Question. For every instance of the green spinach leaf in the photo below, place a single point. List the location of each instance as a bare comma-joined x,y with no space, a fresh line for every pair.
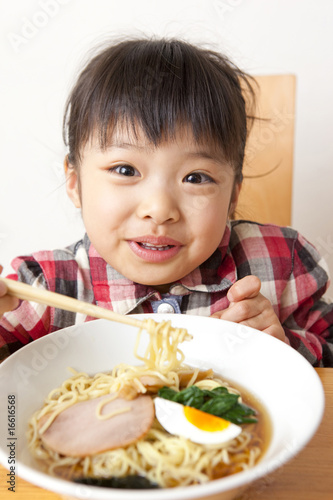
218,401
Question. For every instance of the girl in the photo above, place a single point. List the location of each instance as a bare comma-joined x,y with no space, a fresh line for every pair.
156,131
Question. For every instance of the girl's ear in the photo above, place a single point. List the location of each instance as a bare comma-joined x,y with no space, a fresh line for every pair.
72,183
234,198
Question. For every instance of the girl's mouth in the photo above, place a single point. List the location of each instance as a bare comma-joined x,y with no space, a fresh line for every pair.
156,250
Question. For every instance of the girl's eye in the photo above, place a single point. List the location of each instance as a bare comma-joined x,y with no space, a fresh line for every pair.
197,178
125,170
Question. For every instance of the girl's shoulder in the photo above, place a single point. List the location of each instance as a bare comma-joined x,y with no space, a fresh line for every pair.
244,229
51,267
281,249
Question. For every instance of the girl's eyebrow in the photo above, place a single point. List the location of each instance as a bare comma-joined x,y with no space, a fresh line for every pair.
214,157
125,145
201,154
129,145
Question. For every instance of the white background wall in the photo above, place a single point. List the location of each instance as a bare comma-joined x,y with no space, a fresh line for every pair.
43,43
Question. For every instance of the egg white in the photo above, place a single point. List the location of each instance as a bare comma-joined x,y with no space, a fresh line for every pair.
171,416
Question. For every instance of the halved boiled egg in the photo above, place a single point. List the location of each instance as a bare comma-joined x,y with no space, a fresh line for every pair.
196,425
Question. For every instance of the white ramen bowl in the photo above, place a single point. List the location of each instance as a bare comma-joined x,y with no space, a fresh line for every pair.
277,375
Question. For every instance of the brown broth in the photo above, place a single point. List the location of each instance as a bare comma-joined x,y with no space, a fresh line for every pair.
263,428
261,431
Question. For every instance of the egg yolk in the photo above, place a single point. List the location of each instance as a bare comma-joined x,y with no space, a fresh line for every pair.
205,421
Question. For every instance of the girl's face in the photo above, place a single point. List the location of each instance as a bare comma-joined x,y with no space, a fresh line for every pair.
153,213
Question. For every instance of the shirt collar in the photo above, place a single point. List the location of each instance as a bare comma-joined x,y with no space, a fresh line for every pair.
216,274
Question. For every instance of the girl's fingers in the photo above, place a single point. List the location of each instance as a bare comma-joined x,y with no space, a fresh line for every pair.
277,331
3,289
245,288
256,312
8,303
264,322
273,326
248,309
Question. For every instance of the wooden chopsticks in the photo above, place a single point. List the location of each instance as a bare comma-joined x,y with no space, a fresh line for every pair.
41,296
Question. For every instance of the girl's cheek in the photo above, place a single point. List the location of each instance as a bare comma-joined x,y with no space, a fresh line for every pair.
195,204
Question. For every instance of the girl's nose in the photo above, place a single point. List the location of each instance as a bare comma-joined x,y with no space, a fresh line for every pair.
159,206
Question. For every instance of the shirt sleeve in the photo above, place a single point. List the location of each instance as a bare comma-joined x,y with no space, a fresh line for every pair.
29,320
305,314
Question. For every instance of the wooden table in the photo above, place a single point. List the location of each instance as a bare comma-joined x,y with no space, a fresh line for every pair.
309,476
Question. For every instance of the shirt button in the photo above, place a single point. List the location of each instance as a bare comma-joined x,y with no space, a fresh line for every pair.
165,308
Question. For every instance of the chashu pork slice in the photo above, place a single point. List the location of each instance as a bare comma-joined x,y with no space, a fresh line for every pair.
78,432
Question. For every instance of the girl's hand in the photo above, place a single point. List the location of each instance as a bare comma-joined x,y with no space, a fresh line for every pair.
7,302
249,307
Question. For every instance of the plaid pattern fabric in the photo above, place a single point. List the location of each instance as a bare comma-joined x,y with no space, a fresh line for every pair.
293,275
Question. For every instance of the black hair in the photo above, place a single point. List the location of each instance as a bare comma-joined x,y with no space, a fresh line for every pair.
160,85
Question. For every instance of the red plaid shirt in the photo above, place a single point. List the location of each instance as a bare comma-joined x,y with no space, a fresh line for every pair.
293,275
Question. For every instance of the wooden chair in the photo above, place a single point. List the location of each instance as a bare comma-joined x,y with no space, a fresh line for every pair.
266,194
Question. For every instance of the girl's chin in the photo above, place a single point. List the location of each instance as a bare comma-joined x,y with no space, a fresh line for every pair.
159,281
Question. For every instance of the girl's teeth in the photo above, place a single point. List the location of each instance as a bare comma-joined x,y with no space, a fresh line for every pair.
155,247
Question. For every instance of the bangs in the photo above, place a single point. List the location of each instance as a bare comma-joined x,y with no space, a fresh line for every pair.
159,86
